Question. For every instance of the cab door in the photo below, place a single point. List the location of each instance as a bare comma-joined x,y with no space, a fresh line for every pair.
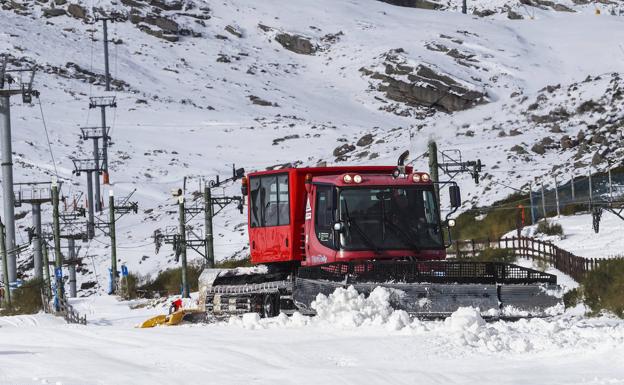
269,218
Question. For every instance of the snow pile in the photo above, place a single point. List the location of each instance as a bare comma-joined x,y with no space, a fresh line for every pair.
348,308
465,329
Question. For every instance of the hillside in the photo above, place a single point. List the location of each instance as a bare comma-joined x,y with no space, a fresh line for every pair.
201,85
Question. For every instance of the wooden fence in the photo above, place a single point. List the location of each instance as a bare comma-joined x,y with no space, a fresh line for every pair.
530,248
64,310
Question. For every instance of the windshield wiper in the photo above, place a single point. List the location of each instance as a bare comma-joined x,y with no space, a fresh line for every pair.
361,233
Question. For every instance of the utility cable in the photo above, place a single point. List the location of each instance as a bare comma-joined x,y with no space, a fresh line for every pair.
45,127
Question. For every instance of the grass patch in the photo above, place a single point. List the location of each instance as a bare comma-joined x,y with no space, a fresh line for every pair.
497,255
602,288
232,263
549,228
169,282
26,299
496,223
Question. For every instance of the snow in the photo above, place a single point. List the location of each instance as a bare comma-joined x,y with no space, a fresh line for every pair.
357,341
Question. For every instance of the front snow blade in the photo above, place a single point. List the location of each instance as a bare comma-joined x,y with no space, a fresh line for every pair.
437,288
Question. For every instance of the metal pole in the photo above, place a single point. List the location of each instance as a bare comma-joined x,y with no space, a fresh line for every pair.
208,227
433,172
532,203
106,70
572,182
71,244
56,228
91,218
46,268
543,199
113,238
464,7
591,194
104,140
610,185
96,179
5,266
557,197
38,257
7,184
185,286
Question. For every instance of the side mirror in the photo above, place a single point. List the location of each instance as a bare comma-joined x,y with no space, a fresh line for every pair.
339,227
455,196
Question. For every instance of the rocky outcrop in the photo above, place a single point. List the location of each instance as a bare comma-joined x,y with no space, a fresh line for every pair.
53,12
424,4
77,11
428,88
296,43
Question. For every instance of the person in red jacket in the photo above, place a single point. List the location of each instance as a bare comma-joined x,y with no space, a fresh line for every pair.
175,305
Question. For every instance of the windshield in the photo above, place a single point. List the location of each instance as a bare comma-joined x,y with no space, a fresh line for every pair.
389,218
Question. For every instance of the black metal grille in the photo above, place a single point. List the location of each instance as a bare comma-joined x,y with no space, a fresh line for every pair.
426,271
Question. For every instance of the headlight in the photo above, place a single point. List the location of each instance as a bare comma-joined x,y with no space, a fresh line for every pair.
357,179
416,178
347,178
425,177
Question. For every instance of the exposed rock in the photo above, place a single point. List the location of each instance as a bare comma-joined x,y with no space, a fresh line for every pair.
518,149
287,137
167,5
133,3
430,89
511,14
60,2
483,12
296,43
514,132
234,31
261,102
365,140
77,11
538,148
597,159
590,106
343,150
424,4
566,142
53,12
555,115
547,141
265,28
562,8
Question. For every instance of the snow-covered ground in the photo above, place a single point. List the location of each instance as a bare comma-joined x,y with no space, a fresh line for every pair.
579,238
352,341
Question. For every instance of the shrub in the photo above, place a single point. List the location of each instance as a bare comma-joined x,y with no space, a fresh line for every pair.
573,297
549,228
573,208
232,263
26,299
603,287
497,255
169,282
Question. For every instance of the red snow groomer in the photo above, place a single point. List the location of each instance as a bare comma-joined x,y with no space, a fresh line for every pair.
312,230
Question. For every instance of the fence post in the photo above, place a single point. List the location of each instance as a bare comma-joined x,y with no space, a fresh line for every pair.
532,203
472,241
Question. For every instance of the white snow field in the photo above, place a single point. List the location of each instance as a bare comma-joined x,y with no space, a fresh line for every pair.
352,341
